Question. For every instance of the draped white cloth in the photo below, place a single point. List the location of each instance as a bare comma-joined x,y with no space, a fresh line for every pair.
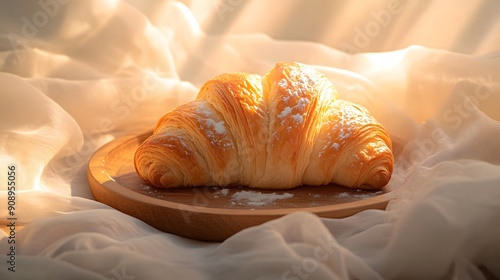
77,74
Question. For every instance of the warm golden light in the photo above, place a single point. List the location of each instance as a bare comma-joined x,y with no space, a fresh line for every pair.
83,84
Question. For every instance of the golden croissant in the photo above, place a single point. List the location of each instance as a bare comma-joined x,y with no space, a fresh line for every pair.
277,131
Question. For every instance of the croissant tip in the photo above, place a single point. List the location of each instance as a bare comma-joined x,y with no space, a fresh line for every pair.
378,181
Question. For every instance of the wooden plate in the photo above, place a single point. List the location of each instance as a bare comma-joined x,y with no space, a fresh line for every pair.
211,213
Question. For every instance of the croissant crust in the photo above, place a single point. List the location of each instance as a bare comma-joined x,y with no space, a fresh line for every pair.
277,131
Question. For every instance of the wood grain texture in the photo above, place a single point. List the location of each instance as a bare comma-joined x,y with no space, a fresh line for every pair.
209,213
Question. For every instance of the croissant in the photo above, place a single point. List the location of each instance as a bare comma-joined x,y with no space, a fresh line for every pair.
282,130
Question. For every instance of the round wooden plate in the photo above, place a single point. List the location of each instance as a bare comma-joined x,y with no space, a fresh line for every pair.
211,213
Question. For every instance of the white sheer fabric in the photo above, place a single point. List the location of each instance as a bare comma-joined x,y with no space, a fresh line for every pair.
75,75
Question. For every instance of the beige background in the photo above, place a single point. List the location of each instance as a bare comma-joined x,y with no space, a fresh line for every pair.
465,26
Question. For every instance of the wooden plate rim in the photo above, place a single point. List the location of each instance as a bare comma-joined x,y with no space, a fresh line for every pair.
103,179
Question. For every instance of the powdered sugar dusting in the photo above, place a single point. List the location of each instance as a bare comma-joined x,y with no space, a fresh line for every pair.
298,118
214,129
348,120
283,83
297,112
358,196
300,82
221,193
178,140
344,133
254,198
217,126
285,112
